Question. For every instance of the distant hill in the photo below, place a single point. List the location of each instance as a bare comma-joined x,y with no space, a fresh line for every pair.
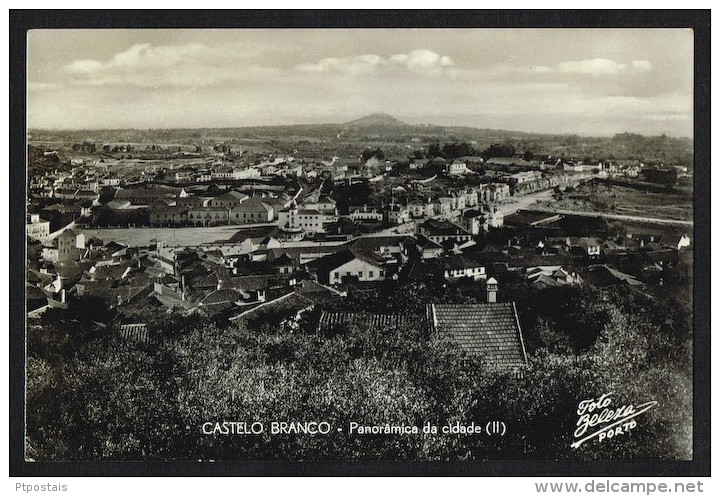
393,135
376,121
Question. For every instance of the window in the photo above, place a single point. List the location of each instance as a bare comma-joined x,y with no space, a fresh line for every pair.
360,274
371,273
382,273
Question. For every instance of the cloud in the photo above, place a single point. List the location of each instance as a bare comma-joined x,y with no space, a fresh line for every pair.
594,67
85,66
419,61
426,59
144,65
348,65
642,65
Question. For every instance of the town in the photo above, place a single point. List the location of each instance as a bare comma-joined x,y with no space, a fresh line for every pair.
211,228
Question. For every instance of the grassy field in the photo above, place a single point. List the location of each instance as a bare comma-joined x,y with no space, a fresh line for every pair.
626,201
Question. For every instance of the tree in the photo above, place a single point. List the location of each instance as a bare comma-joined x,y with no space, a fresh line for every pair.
368,154
497,150
434,150
109,399
456,150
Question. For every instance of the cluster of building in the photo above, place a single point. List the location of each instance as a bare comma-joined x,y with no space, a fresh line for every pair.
287,255
256,275
257,261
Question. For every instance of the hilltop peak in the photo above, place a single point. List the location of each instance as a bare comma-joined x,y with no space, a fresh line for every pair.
378,119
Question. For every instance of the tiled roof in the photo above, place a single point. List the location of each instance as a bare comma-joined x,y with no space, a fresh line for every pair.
331,321
35,277
286,305
308,211
603,275
222,296
208,209
426,243
315,292
114,246
252,204
282,260
442,228
145,192
231,195
530,218
472,213
252,233
490,331
456,262
259,282
546,281
374,243
170,301
68,269
165,209
296,253
35,293
70,233
137,333
335,260
112,272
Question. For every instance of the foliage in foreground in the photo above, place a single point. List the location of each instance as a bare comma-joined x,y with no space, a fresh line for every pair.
104,399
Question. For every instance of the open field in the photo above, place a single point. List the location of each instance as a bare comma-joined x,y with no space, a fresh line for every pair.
623,201
181,236
621,217
514,203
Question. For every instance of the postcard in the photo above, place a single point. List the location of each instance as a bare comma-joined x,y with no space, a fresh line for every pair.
317,245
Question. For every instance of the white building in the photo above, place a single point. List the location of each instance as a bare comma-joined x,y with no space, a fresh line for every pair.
457,168
309,220
332,269
37,228
397,214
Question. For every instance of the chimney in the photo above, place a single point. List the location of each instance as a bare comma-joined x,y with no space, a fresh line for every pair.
491,287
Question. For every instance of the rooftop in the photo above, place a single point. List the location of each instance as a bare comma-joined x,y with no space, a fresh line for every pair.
490,331
334,321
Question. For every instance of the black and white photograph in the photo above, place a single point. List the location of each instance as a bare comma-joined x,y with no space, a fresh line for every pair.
315,244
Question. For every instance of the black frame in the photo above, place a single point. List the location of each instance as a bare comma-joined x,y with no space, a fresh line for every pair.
698,20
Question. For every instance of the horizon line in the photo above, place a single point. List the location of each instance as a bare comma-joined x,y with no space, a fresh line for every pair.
183,128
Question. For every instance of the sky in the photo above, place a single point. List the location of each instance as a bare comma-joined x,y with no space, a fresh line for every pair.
584,81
